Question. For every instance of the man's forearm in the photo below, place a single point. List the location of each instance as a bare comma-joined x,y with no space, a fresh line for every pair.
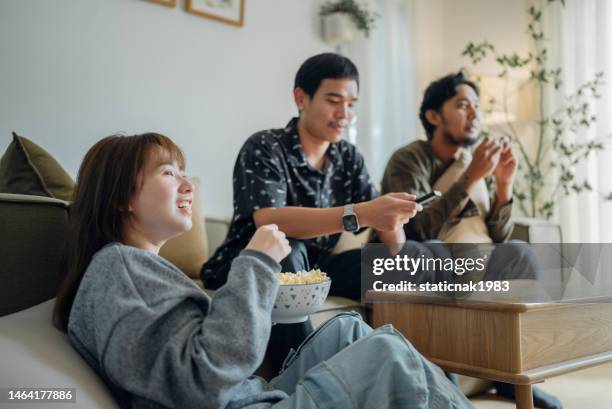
503,195
383,213
302,222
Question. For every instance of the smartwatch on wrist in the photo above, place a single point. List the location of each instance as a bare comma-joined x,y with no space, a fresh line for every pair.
349,219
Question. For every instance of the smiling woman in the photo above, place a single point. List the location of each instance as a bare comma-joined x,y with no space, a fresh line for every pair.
112,198
161,209
158,340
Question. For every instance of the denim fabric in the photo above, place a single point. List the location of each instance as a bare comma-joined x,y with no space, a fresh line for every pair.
346,364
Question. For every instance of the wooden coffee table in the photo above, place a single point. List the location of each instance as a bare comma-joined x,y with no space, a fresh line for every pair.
517,343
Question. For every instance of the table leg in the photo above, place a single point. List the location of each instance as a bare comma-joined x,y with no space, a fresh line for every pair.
524,396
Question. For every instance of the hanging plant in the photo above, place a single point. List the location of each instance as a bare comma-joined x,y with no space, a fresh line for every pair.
363,18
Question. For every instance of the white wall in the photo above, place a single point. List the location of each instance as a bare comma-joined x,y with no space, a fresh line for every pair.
75,71
444,27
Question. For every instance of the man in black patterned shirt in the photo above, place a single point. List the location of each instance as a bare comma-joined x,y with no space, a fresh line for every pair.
314,185
311,183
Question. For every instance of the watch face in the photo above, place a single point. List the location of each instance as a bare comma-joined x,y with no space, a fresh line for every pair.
350,223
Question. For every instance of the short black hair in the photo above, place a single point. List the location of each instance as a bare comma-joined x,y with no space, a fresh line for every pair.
324,66
437,93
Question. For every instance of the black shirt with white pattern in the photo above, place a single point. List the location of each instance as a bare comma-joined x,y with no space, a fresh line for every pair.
272,171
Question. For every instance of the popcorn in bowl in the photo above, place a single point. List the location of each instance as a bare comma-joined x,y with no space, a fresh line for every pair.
299,295
302,277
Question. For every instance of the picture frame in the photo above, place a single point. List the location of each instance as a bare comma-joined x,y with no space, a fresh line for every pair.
167,3
225,11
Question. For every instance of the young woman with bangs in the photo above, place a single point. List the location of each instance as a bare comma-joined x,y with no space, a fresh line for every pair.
159,341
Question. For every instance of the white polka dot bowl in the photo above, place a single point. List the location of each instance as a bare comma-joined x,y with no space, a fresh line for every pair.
295,302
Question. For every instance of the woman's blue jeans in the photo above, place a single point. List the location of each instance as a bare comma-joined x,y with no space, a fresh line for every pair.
346,364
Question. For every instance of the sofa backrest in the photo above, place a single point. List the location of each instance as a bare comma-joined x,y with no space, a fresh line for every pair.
536,230
216,230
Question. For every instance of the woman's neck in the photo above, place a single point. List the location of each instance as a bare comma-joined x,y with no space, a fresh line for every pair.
135,238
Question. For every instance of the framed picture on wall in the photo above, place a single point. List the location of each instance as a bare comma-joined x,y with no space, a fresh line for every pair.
168,3
226,11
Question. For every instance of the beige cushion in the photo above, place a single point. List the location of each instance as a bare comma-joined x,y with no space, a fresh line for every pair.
36,355
189,250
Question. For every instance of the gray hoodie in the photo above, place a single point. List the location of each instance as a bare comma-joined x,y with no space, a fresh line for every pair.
160,342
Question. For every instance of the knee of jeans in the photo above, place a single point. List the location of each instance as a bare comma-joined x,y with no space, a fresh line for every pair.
350,324
390,344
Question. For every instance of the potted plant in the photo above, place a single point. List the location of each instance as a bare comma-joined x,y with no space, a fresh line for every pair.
343,18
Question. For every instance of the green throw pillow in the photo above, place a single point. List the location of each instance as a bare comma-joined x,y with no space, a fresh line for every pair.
28,169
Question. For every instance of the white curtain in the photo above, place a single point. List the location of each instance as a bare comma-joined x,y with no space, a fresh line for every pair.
580,42
387,113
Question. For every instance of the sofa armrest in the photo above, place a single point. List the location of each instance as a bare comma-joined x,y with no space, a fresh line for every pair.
32,230
536,230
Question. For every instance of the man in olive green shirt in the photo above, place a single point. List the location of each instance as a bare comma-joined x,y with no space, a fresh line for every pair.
466,212
450,115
